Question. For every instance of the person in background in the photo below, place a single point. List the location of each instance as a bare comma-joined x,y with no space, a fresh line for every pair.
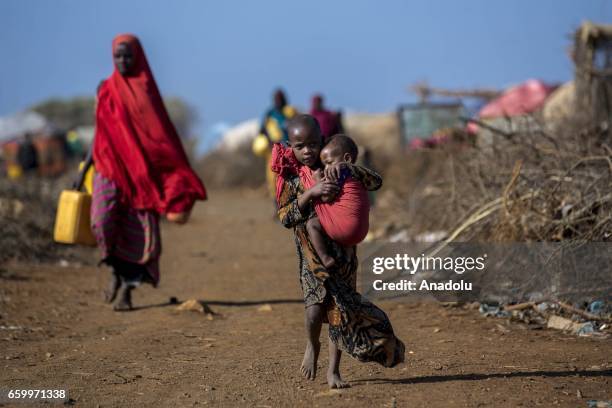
274,129
142,172
26,155
329,122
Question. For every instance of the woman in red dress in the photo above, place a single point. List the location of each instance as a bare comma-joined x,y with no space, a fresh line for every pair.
142,172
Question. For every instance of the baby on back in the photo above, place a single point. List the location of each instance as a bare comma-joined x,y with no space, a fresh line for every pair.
345,218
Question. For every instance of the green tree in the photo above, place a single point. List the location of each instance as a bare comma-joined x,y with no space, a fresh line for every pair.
79,111
182,114
68,113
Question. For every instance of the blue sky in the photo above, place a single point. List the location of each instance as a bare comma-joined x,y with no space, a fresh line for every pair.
226,57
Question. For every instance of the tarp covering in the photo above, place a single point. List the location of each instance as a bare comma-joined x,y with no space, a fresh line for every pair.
518,100
17,125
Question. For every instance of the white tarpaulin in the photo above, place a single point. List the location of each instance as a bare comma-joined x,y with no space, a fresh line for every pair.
17,125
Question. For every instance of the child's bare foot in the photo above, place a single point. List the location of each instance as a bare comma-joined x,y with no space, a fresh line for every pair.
335,381
328,261
113,287
309,364
125,298
333,370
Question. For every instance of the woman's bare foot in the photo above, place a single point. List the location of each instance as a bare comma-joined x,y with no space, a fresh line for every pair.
125,298
113,287
309,364
335,381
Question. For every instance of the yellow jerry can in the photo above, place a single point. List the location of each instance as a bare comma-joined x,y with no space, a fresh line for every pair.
261,145
72,221
14,171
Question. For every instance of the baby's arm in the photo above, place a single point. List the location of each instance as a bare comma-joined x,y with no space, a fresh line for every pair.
370,179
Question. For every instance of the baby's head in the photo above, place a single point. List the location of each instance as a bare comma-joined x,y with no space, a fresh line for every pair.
305,139
339,148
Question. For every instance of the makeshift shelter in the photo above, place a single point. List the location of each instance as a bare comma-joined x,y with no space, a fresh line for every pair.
520,100
31,127
16,126
593,79
420,123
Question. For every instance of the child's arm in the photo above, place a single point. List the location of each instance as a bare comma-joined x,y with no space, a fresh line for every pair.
288,209
294,208
318,176
323,188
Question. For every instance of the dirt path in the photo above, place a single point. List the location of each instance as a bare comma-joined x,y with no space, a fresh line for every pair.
56,333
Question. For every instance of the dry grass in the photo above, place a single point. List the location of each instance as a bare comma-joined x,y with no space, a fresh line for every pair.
528,186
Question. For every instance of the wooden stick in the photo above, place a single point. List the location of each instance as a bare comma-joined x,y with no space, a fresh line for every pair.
478,215
582,313
519,306
515,173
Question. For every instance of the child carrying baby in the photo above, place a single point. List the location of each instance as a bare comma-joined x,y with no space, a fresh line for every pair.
336,196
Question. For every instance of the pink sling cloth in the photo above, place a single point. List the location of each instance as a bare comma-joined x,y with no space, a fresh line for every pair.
346,219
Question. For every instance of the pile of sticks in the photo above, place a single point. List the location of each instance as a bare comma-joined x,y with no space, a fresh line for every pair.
533,186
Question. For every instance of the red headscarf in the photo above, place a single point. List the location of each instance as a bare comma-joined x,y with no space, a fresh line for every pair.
284,163
136,145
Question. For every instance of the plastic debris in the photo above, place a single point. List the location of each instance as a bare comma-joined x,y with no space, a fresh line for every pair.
597,307
599,404
586,329
561,323
543,307
592,322
493,311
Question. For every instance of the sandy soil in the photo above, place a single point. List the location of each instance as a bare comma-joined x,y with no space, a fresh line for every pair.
55,332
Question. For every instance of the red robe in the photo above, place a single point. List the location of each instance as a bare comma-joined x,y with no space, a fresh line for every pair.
136,145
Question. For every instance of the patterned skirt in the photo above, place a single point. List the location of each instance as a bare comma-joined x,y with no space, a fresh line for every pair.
356,325
129,236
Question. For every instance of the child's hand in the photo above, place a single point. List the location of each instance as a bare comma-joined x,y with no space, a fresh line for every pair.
317,175
326,199
332,172
324,188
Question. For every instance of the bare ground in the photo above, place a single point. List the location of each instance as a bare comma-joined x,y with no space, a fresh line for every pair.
56,333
